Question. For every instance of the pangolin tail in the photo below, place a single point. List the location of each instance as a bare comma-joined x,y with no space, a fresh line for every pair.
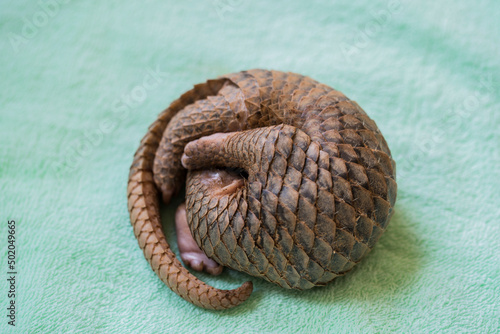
143,206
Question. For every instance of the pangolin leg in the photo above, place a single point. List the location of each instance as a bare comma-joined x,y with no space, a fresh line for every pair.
191,254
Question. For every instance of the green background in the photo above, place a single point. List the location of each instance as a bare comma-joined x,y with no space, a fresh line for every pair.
74,108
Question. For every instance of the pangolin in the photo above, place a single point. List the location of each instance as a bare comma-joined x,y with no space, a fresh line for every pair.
316,182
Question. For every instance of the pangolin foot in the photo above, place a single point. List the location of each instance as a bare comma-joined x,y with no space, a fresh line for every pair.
191,254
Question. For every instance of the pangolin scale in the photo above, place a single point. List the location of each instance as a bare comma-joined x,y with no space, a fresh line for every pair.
319,192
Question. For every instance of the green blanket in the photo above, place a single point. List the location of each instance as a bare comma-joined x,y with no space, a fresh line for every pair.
82,80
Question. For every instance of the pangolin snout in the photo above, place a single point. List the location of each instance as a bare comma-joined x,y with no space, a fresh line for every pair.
199,153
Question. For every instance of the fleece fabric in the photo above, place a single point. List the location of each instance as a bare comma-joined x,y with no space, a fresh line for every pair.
81,81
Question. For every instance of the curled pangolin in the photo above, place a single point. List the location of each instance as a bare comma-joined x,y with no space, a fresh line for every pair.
318,193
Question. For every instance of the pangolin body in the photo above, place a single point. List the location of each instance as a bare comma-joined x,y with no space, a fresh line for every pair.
319,192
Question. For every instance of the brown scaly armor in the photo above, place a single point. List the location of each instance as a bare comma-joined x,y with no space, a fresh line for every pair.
319,193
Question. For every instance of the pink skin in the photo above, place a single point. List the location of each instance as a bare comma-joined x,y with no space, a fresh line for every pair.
191,254
221,183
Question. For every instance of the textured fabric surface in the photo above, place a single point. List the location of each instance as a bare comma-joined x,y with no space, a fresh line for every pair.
82,80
